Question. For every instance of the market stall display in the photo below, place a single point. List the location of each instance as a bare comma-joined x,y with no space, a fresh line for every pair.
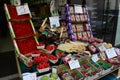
71,48
78,22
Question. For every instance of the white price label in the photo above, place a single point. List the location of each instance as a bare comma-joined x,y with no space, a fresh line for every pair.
54,70
110,53
23,9
95,58
78,9
74,64
30,76
54,21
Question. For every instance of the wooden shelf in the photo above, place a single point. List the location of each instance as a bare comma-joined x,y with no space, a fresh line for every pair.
108,73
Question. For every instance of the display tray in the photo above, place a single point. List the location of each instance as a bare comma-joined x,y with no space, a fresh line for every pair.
22,29
27,45
24,68
13,16
32,69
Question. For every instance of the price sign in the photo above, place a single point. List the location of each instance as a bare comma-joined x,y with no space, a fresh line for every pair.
74,64
110,53
54,70
54,21
30,76
95,58
78,9
23,9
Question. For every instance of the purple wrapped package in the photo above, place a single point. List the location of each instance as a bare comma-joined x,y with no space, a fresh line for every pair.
85,17
82,18
74,28
72,18
75,36
77,18
71,9
79,28
79,35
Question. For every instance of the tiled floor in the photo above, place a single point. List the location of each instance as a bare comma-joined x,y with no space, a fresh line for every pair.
8,68
8,64
10,77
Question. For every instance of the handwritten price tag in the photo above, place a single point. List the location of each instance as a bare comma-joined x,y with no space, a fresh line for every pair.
54,70
30,76
95,58
78,9
110,53
23,9
54,21
74,64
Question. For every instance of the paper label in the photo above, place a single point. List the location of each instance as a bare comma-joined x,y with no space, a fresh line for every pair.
54,21
30,76
74,64
54,70
95,58
23,9
110,53
78,9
